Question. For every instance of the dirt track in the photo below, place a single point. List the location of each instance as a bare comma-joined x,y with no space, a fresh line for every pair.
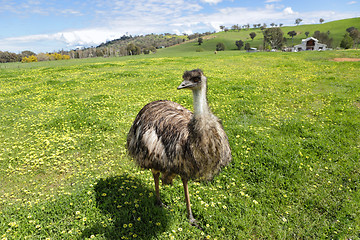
346,59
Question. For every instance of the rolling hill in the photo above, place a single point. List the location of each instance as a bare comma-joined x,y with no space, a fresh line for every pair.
337,29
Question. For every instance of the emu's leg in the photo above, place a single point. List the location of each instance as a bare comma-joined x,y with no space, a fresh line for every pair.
192,220
156,175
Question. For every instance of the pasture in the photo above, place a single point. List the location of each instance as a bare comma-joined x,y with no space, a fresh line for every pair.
293,125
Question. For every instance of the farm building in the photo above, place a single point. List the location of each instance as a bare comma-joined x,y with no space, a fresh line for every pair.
310,44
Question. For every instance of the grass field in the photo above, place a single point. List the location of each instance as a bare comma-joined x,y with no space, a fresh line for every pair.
292,120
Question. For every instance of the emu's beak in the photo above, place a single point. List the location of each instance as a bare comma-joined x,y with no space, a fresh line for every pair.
186,84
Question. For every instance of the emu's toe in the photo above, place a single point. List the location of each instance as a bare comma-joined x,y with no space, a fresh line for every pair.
194,223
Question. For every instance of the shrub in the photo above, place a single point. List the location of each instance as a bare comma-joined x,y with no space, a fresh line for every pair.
323,38
239,44
57,56
31,58
346,42
220,46
42,57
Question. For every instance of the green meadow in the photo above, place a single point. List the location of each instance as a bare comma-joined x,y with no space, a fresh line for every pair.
293,122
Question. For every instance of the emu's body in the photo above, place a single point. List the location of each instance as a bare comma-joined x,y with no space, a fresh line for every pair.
166,137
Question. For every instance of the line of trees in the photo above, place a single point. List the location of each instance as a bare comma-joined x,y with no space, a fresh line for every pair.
45,57
13,57
263,26
123,46
29,56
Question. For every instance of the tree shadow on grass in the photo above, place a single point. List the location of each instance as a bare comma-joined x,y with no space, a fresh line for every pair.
131,208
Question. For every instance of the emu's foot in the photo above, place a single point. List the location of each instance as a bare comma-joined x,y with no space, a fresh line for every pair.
194,223
161,204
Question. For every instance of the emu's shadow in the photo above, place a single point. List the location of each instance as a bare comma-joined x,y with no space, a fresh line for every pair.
131,208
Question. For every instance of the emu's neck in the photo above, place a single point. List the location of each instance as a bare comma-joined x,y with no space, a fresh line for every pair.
200,102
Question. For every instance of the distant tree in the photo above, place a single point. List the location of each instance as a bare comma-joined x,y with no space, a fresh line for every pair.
133,49
99,53
280,25
292,34
274,37
346,42
200,40
235,27
321,20
220,46
307,34
247,46
272,24
149,49
323,38
239,44
252,35
27,53
298,21
138,50
42,57
350,29
222,27
9,57
355,35
77,54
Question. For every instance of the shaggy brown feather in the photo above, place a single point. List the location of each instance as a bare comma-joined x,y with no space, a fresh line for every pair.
166,137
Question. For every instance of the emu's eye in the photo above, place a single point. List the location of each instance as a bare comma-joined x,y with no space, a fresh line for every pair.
196,79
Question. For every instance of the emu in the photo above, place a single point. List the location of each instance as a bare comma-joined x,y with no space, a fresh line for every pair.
168,139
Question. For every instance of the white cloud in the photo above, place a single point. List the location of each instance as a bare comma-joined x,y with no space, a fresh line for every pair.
288,10
272,1
212,1
30,7
69,39
70,11
352,2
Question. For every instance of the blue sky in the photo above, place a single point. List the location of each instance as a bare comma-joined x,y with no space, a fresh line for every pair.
50,25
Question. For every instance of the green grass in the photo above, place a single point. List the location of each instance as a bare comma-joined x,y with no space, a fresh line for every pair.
292,120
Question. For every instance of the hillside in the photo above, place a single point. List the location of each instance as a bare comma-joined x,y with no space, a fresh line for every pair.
129,45
337,30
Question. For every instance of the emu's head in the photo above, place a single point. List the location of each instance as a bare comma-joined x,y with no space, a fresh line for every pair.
194,79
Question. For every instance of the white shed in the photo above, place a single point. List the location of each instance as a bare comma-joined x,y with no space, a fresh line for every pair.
310,44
